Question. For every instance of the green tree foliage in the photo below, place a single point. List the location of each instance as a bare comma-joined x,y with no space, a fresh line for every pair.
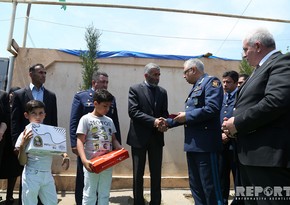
245,68
63,6
89,57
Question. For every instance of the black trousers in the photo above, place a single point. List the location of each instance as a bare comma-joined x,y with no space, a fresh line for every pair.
271,185
155,153
226,165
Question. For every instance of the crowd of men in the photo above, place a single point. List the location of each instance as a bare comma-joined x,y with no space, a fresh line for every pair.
239,125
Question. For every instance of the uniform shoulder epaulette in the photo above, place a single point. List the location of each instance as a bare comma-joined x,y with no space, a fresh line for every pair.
81,91
212,77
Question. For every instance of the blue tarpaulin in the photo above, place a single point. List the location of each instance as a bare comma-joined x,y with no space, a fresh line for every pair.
126,54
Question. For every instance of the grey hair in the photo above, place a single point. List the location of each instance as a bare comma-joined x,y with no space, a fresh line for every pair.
194,62
150,66
262,35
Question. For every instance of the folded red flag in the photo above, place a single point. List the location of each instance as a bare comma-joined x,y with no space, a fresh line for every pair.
172,116
106,161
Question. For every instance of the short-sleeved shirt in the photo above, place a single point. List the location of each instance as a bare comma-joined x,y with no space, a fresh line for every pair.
40,162
98,133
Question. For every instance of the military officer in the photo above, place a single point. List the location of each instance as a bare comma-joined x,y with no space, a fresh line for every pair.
202,129
227,159
83,104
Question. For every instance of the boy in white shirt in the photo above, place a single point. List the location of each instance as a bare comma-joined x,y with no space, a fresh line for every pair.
37,178
95,137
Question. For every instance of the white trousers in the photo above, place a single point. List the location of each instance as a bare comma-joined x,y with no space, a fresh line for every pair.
38,183
94,183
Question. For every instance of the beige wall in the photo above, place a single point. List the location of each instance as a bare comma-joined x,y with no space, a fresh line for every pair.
64,78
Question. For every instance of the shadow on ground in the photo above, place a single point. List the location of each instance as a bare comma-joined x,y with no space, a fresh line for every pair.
122,200
128,200
3,202
15,202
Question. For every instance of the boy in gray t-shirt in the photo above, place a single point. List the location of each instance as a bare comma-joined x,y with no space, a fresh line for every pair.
95,137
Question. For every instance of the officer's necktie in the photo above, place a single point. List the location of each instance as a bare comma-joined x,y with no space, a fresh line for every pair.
228,98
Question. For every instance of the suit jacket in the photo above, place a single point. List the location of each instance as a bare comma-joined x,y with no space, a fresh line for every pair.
4,118
20,98
4,107
262,115
143,113
202,128
82,104
9,165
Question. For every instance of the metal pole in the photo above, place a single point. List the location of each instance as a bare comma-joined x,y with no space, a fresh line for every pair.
12,28
146,8
10,73
26,25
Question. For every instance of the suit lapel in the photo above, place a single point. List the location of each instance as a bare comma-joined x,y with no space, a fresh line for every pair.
157,96
247,83
28,93
45,96
146,93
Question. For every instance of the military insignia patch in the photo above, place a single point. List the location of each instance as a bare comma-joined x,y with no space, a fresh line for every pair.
215,83
195,101
197,88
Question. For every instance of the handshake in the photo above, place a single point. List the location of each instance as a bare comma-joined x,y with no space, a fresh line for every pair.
161,124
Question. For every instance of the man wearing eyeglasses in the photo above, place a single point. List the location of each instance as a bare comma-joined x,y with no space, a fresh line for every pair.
202,129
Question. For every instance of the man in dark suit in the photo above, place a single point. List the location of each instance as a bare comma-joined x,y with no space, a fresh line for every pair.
146,104
202,130
35,91
82,104
261,121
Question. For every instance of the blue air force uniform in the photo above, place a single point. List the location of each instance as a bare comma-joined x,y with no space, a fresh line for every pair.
202,140
83,103
227,157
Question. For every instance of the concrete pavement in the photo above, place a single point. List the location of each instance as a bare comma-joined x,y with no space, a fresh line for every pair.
125,197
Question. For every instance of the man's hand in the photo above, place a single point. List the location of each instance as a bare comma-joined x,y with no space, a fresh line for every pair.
229,127
225,138
161,124
180,117
3,128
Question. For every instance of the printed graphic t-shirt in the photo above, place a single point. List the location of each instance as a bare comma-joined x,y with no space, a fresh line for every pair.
98,134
